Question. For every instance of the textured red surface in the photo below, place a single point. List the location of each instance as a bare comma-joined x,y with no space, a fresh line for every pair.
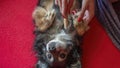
16,39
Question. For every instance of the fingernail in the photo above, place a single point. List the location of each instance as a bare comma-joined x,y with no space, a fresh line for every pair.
64,16
74,11
79,19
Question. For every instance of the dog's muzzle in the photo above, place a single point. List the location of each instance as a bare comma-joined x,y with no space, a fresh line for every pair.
58,49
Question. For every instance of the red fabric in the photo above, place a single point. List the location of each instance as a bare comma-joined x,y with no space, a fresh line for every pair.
16,39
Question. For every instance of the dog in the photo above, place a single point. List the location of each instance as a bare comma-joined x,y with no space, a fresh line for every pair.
57,39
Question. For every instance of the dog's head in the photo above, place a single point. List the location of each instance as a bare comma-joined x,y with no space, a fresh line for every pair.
60,46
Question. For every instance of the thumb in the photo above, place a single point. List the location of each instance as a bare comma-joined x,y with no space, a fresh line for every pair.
83,9
81,15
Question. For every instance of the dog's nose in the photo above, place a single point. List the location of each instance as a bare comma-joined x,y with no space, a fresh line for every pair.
52,45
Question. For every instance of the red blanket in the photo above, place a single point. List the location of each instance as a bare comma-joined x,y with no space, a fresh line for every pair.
16,39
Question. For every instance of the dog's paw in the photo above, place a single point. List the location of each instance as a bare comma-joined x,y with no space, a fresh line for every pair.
43,19
38,13
47,20
81,27
51,15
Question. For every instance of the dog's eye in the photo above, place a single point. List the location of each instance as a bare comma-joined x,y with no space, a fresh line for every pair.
62,55
49,57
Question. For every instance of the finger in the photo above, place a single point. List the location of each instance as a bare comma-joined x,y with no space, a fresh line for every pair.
86,16
69,5
64,8
91,9
73,12
90,13
83,9
56,2
80,17
88,19
59,3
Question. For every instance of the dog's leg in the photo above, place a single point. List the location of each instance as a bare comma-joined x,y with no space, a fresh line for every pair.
48,20
43,18
65,23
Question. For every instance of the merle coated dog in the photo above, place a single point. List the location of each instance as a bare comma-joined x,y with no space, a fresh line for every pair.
54,43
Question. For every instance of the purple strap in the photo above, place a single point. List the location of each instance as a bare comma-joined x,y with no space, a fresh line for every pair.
108,18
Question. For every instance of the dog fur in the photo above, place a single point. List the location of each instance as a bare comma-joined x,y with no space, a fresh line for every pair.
54,43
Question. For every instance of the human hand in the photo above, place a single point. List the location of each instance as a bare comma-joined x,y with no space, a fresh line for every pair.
65,6
87,11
